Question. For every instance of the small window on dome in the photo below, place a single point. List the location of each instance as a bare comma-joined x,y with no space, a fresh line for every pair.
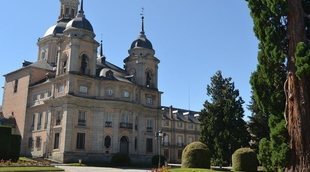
109,74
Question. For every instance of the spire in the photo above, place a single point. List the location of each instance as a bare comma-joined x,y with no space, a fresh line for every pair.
101,49
82,10
142,20
101,53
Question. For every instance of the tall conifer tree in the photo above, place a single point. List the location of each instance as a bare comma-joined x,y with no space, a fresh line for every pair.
283,28
223,128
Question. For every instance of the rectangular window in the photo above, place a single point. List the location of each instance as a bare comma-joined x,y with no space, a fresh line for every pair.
126,94
56,141
30,143
60,88
46,120
38,142
108,121
180,124
15,85
190,126
33,120
149,145
125,118
136,143
83,89
180,141
39,124
166,123
190,139
149,100
58,118
149,125
80,141
109,92
82,118
166,140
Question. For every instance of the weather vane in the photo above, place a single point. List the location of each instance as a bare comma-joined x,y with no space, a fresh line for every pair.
142,12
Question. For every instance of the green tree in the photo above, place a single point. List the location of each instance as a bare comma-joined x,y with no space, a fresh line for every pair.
223,128
258,124
282,26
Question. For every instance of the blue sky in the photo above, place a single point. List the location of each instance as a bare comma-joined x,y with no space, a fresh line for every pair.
192,38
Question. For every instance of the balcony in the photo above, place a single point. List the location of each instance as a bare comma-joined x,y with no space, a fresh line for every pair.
81,122
108,124
125,125
165,143
149,129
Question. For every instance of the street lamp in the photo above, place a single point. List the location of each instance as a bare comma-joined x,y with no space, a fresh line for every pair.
159,136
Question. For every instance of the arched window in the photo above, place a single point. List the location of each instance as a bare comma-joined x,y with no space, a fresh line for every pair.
84,63
148,79
107,141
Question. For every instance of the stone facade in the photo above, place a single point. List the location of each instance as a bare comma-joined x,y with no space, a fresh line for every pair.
73,104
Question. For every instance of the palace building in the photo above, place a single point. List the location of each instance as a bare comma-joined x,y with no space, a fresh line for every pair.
72,103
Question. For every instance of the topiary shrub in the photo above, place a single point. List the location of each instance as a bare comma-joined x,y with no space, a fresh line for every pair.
155,159
15,147
244,159
120,159
196,155
5,142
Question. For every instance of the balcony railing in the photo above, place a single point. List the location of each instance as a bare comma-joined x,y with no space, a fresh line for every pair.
165,143
149,129
108,124
125,125
81,122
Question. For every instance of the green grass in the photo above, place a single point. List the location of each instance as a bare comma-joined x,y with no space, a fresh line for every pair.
32,169
189,170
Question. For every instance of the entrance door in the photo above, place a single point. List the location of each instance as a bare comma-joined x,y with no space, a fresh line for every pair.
124,145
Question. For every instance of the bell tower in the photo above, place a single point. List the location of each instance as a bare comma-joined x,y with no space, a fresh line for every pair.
79,53
68,9
141,62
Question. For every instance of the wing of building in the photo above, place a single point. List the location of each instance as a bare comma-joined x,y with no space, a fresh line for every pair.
73,104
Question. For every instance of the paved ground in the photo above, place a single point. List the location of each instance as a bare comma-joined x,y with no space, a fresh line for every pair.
99,169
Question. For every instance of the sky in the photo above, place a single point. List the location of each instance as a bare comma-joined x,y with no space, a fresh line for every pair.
192,38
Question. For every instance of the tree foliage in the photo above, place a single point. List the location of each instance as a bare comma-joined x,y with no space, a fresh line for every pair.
223,128
278,24
257,125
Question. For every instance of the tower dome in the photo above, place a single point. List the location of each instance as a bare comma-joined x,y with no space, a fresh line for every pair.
80,21
142,41
58,28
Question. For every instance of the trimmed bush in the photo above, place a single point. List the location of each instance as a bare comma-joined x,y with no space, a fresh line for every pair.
196,155
15,147
155,159
5,142
120,159
244,159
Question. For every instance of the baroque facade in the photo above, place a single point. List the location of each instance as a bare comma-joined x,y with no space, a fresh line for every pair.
73,104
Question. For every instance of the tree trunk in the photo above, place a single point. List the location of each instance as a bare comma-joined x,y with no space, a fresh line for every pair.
298,103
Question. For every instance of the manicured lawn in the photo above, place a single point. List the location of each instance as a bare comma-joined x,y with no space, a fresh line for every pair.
190,170
20,169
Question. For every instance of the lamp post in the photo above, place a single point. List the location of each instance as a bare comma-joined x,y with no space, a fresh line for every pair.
159,135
